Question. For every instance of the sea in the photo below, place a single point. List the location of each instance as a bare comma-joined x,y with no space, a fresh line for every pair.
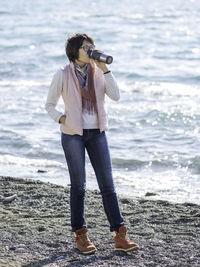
154,130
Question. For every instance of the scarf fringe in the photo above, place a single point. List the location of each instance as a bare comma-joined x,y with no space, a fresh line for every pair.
88,94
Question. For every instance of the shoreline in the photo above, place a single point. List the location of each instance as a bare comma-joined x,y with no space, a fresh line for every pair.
35,229
122,191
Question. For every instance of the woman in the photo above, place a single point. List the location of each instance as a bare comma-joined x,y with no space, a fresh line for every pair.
83,85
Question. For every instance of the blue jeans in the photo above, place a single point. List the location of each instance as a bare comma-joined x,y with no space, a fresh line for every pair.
96,145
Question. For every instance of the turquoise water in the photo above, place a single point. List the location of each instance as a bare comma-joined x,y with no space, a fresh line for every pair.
155,128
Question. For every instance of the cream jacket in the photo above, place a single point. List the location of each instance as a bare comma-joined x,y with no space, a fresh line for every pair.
65,83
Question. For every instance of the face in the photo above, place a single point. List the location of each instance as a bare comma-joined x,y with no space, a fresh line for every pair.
83,56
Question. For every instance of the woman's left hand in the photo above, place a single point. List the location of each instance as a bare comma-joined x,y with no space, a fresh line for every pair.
101,65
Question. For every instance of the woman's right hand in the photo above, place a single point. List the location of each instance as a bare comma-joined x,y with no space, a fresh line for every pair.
62,119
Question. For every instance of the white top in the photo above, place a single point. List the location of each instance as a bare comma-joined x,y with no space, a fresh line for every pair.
90,121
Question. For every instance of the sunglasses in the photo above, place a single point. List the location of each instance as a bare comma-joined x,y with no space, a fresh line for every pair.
86,47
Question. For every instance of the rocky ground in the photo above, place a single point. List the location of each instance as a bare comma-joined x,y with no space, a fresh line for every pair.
35,229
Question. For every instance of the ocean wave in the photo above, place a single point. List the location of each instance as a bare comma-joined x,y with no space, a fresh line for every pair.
162,88
21,161
192,164
23,83
123,163
135,164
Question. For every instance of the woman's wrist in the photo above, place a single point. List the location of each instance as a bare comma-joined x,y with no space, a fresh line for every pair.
104,69
107,72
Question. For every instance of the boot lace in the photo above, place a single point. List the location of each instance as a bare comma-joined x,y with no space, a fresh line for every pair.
85,239
124,236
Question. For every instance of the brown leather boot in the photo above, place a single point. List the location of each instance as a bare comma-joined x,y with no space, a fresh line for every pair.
83,242
122,242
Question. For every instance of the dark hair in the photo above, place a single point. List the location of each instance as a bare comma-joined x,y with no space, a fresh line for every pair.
74,42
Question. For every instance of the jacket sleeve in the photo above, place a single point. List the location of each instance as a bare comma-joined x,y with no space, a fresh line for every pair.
53,97
112,89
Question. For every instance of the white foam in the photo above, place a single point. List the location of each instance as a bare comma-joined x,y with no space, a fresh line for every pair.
166,89
23,83
21,161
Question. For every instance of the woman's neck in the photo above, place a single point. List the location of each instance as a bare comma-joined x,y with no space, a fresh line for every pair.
80,63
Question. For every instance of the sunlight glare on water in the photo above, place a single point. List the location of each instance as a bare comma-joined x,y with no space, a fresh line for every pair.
154,129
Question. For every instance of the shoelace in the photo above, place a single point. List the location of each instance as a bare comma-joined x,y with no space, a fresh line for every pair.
123,236
85,239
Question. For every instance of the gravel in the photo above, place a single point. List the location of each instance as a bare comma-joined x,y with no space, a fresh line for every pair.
35,229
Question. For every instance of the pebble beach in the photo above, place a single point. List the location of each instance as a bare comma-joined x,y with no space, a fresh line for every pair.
35,229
